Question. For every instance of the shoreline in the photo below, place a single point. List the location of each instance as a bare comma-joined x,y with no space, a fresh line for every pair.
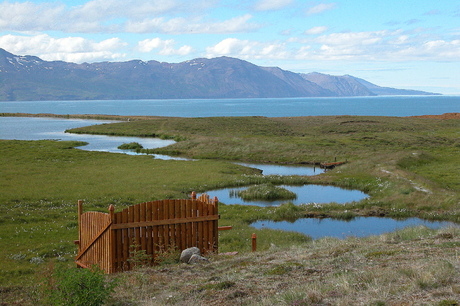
445,116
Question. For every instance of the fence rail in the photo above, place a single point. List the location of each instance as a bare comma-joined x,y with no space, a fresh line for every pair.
107,240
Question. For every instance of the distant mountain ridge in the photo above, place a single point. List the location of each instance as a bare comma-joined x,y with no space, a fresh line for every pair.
30,78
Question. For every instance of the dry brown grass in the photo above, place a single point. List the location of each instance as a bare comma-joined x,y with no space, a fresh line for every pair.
410,267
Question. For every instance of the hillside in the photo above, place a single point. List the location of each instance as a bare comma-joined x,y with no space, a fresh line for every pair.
25,78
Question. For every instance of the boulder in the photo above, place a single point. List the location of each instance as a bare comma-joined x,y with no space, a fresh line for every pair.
197,259
188,253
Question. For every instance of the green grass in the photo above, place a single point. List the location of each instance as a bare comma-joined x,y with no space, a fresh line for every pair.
266,192
131,146
408,166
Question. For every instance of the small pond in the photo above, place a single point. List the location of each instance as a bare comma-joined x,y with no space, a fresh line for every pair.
358,227
277,169
305,194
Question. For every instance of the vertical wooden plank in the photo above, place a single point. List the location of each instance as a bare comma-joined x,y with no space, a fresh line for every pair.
161,228
155,229
205,230
194,224
149,237
200,227
183,214
176,227
131,234
216,225
137,232
142,216
210,228
80,213
172,227
112,242
166,235
125,219
97,244
188,225
119,244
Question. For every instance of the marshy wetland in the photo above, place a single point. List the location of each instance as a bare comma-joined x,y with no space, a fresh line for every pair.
409,167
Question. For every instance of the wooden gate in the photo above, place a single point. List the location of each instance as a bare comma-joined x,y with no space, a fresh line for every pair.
94,239
107,240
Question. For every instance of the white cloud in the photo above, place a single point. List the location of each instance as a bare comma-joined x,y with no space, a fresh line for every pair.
181,25
248,49
316,30
110,16
29,16
70,49
352,38
320,8
269,5
166,47
390,46
378,46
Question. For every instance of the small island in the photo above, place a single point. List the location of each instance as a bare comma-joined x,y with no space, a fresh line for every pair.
265,192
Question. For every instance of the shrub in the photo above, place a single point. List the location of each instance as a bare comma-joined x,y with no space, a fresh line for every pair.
130,146
266,192
78,287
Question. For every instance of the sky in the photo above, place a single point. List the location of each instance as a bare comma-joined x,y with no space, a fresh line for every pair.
395,43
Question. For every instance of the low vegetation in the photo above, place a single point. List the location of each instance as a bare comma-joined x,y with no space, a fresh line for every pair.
415,266
131,146
265,192
408,167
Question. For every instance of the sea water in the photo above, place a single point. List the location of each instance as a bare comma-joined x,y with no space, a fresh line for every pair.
398,106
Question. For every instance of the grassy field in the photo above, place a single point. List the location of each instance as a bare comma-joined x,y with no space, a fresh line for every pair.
408,166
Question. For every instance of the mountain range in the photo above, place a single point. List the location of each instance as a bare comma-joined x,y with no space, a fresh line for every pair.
29,78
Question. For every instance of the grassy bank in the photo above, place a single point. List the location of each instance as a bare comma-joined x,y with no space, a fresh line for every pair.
408,166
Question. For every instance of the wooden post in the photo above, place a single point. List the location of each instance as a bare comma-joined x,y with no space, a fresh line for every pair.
254,243
193,195
112,240
80,212
216,226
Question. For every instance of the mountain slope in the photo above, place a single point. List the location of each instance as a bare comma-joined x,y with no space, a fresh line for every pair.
342,86
388,91
30,78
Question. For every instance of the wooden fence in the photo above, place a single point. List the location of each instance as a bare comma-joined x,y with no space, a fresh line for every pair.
108,240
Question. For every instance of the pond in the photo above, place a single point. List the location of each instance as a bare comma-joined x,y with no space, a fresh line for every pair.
36,128
357,227
305,194
277,169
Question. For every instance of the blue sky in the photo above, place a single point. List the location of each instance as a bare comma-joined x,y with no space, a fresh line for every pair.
403,44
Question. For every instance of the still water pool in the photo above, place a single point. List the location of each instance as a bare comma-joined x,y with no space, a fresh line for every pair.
305,194
358,227
36,128
28,128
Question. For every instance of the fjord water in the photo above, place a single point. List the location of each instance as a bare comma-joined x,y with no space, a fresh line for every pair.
398,106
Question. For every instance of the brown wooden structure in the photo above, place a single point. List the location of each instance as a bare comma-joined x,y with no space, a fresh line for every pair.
107,240
331,165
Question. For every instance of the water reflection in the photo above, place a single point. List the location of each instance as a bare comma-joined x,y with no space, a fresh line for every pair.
305,194
358,227
36,128
270,169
